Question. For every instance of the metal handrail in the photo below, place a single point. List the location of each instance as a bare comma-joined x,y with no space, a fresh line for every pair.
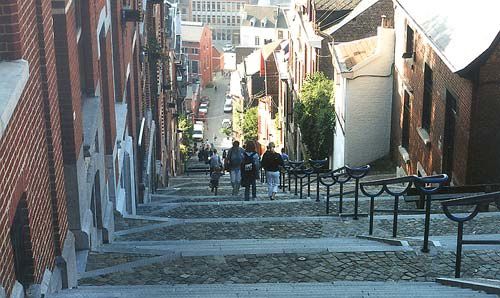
476,200
357,173
425,185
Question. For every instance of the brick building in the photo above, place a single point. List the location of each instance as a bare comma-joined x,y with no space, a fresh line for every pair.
447,88
217,58
197,45
36,245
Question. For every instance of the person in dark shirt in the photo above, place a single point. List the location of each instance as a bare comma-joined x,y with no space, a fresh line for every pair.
271,162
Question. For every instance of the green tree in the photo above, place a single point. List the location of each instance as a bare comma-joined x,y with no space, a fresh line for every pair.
250,124
186,126
315,115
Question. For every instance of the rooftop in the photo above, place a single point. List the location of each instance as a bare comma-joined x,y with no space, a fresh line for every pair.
458,31
363,5
336,4
349,54
192,31
263,16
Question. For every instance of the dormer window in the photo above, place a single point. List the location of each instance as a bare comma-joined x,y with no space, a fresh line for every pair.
252,22
263,22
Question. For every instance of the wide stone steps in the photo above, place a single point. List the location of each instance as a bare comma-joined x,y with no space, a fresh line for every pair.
255,246
334,289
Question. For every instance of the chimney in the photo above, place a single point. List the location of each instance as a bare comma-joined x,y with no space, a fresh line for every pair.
384,23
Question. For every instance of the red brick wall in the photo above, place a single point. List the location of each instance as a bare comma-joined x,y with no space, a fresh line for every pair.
443,79
217,59
484,151
205,56
26,169
10,34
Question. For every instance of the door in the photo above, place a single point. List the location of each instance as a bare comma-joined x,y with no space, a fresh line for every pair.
449,134
21,245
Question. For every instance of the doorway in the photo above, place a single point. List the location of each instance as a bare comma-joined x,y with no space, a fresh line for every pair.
21,245
449,134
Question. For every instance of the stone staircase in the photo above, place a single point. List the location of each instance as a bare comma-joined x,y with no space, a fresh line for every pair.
334,289
189,243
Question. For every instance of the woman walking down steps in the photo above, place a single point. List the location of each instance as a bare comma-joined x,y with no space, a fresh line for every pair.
271,162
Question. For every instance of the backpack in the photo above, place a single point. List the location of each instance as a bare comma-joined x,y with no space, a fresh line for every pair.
234,156
215,161
248,167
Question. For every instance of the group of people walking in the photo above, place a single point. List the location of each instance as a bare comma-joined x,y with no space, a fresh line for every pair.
244,168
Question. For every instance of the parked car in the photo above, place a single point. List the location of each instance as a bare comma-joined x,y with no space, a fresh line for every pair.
226,123
228,106
203,109
228,47
198,131
205,99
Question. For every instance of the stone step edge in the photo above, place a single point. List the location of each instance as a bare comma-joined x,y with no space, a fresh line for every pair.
477,285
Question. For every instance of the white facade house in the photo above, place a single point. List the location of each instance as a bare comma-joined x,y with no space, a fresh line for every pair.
261,25
363,94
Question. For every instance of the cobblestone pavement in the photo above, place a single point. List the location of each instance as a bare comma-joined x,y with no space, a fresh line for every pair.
375,266
122,223
408,227
306,207
103,260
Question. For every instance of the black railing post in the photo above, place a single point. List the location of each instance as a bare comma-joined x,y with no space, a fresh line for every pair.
289,181
427,224
421,185
309,185
317,185
357,174
300,188
395,217
327,199
295,184
372,211
356,203
458,257
341,197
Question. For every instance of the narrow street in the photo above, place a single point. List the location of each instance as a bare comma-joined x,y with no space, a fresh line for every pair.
189,243
216,111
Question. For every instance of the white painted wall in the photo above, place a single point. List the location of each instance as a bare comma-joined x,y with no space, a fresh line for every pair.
229,61
249,33
365,95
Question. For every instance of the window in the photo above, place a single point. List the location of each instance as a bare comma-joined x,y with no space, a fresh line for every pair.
405,130
427,100
213,6
233,21
238,21
218,6
213,19
196,51
197,5
257,41
409,40
194,66
280,34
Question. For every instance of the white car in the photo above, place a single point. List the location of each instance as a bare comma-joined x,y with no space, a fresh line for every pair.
198,132
228,47
203,108
228,106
